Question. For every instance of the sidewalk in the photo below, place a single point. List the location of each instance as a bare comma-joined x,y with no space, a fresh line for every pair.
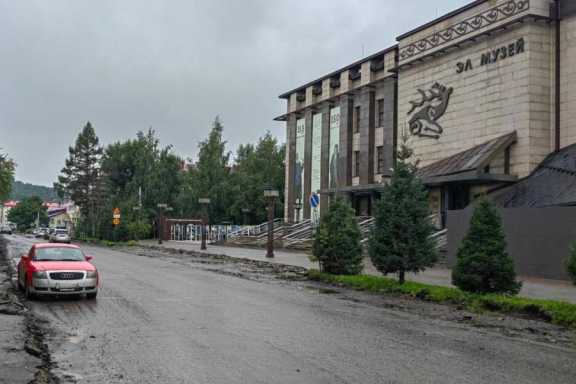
532,287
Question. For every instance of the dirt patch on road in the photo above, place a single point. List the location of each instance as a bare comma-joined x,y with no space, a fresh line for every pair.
262,271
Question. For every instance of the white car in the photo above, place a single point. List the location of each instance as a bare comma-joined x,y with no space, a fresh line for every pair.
60,236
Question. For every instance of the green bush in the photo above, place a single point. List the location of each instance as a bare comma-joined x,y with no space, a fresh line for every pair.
483,265
571,263
337,241
556,312
138,230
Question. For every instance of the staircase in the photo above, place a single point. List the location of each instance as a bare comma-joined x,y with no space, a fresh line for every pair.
300,236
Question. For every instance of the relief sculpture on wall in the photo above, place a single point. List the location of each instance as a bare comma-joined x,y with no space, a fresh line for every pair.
426,112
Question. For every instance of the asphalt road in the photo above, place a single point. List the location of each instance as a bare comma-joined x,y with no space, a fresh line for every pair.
156,321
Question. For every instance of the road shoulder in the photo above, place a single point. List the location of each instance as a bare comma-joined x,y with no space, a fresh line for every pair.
24,357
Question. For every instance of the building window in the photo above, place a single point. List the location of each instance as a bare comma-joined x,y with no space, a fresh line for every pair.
356,163
356,119
380,111
380,158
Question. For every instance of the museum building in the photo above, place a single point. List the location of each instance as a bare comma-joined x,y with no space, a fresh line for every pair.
482,95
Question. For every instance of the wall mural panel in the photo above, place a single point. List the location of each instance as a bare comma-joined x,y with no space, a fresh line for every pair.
299,166
316,153
334,147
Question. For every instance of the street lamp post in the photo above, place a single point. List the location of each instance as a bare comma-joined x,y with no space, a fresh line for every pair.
204,202
298,207
270,195
161,207
137,209
245,212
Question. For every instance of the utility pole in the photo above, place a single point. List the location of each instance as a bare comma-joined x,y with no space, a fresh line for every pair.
204,202
161,208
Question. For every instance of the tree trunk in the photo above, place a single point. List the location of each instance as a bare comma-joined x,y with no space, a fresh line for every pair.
401,278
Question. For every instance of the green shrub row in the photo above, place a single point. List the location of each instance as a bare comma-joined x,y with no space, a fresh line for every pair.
556,312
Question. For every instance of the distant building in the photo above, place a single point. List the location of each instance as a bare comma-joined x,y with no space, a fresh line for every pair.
4,209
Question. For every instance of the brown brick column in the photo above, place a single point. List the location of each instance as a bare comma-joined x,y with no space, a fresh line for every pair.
367,101
345,163
289,194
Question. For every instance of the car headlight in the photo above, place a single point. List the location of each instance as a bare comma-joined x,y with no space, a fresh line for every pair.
39,275
91,274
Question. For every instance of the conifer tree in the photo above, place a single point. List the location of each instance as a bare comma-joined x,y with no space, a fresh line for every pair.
400,240
80,178
337,241
483,265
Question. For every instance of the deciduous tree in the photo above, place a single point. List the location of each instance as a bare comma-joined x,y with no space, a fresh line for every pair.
6,177
28,211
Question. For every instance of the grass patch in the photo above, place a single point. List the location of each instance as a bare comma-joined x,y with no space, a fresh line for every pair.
556,312
108,243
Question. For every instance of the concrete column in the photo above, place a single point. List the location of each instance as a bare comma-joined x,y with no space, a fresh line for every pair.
307,164
345,166
289,194
367,97
390,123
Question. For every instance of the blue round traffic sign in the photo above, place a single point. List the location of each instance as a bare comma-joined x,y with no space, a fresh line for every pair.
314,200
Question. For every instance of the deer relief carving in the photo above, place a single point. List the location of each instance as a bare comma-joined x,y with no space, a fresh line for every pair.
426,112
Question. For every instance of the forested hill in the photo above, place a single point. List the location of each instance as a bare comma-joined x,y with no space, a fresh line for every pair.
21,190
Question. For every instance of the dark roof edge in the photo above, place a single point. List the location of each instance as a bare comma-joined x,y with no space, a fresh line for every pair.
442,18
543,164
382,52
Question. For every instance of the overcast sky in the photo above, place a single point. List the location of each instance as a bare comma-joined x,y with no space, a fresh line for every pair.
126,65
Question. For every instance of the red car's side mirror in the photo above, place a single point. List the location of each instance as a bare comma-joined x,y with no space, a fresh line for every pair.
89,258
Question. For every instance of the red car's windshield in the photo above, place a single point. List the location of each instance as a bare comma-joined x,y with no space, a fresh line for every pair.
59,254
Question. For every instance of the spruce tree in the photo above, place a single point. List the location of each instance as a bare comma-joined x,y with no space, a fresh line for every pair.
337,241
80,179
400,241
483,265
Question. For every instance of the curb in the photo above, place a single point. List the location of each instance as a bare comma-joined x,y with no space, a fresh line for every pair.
222,256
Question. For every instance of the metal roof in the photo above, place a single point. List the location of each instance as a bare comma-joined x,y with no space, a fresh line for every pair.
552,183
473,159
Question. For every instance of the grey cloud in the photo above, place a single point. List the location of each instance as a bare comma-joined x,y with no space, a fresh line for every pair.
126,65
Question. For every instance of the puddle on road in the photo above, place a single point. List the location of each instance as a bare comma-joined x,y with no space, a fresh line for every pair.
322,291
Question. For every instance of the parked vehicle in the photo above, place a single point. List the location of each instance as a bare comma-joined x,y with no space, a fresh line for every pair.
57,269
5,229
49,233
40,232
60,236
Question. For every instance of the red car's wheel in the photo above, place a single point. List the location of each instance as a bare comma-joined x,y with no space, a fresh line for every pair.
20,287
92,295
27,292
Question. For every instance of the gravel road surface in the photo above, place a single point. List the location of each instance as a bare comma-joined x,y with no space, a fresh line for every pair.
160,320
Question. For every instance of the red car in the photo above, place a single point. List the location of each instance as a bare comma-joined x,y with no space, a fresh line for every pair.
57,269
